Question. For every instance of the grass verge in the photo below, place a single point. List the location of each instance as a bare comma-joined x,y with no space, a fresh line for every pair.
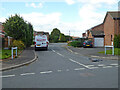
4,54
116,51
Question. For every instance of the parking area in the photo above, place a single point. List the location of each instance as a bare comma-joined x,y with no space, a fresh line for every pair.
88,51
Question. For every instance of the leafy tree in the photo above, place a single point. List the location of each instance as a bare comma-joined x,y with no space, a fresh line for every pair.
16,27
62,38
55,34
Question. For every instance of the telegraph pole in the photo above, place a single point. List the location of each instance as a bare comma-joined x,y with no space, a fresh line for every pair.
69,35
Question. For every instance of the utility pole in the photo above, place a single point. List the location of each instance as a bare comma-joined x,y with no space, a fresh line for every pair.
69,35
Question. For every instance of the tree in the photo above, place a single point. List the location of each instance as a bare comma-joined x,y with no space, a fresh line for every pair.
55,34
16,27
62,38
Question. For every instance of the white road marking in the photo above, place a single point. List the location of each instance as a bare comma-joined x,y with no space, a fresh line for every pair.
69,49
90,65
107,67
79,63
27,74
79,69
60,54
53,50
101,65
46,72
59,70
93,67
114,64
76,53
8,76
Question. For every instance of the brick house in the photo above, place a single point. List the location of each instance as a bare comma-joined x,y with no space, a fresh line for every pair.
103,34
7,40
96,34
2,32
111,26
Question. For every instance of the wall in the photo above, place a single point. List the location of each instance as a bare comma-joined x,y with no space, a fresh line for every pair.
99,27
109,29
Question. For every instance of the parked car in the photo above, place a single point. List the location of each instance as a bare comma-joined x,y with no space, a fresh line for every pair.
87,43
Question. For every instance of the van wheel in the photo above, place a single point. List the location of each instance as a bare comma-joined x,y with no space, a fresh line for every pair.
35,49
46,48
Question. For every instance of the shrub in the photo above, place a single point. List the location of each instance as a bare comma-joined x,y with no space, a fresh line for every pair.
76,44
117,41
17,43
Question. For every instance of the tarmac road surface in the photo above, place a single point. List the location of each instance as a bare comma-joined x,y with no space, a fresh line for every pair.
59,68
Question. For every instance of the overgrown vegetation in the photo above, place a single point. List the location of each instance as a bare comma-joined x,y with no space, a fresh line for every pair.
75,44
17,43
117,41
19,29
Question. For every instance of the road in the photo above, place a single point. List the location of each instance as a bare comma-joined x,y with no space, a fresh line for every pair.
59,68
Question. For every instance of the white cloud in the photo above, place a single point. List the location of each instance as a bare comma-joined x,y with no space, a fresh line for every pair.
40,18
34,5
2,19
46,22
70,2
110,2
89,15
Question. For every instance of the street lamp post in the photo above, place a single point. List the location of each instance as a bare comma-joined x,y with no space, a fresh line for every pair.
69,35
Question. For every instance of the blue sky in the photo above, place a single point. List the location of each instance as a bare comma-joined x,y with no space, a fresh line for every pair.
75,16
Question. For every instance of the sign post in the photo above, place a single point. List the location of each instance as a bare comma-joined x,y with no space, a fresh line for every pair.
111,47
12,51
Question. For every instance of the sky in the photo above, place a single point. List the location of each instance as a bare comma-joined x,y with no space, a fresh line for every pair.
75,16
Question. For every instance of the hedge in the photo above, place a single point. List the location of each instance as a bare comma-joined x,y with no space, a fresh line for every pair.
76,44
117,41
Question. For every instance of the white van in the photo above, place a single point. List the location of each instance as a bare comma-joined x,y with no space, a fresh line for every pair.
41,42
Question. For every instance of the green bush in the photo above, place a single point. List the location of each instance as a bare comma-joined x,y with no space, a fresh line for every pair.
17,43
117,41
76,44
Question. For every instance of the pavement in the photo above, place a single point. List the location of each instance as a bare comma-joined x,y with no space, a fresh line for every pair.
26,57
92,52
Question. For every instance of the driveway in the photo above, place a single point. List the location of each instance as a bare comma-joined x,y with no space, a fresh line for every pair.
92,52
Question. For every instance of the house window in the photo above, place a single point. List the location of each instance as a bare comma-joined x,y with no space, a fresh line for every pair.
111,37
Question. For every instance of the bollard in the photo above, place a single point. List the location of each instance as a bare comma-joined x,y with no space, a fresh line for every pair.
12,51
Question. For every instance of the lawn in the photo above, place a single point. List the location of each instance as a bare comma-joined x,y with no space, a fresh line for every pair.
7,53
116,51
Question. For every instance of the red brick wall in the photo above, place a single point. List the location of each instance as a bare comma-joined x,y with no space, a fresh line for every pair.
99,27
109,29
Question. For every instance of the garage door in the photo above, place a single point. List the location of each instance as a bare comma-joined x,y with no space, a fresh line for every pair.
98,42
